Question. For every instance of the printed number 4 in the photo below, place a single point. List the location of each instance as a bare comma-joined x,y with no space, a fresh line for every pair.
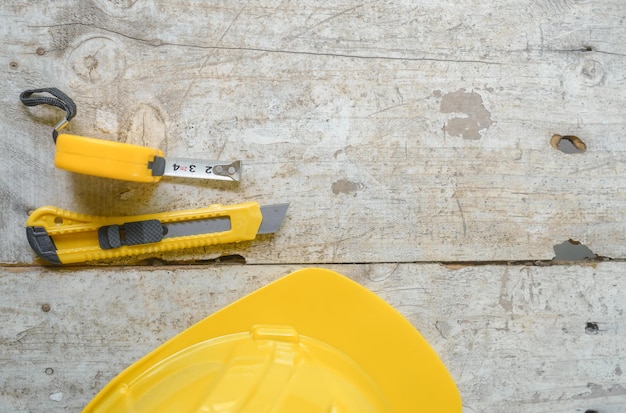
192,168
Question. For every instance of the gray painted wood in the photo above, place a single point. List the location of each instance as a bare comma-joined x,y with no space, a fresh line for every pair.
514,338
398,132
402,133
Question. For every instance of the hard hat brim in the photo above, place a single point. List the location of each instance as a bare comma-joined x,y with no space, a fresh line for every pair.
331,308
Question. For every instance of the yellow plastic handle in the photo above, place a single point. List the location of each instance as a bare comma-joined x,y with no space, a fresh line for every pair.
70,237
99,157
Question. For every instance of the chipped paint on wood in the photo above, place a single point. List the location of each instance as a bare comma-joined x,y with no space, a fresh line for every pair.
399,132
472,117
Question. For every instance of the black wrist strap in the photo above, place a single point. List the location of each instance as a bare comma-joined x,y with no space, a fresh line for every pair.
59,99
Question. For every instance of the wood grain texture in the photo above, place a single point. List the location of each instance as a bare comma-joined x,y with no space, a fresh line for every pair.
403,133
398,132
514,338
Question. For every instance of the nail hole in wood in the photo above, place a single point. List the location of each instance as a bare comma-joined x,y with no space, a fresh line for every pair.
587,49
592,328
568,144
49,371
45,308
591,411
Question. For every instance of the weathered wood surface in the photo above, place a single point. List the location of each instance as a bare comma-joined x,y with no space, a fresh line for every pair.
400,132
515,339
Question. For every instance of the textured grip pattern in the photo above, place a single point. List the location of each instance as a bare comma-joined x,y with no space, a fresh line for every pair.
131,233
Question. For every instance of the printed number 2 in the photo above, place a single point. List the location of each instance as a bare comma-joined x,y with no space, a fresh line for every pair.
208,169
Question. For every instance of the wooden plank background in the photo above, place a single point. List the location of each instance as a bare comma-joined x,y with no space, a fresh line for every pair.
404,134
515,339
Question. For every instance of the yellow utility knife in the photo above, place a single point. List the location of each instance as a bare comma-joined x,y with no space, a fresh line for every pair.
63,237
108,159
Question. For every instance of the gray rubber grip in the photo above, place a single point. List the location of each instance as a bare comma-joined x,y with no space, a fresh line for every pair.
131,233
42,244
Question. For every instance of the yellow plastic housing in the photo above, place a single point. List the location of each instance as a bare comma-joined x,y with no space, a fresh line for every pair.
75,236
313,341
270,368
99,157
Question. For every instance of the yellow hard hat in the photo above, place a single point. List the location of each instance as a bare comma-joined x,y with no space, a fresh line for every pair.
313,341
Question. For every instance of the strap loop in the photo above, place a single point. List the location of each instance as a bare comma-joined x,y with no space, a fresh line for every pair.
60,100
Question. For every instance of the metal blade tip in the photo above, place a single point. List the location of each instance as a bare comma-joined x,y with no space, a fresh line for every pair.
273,216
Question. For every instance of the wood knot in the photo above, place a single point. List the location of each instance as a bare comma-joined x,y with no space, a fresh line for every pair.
97,60
592,72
